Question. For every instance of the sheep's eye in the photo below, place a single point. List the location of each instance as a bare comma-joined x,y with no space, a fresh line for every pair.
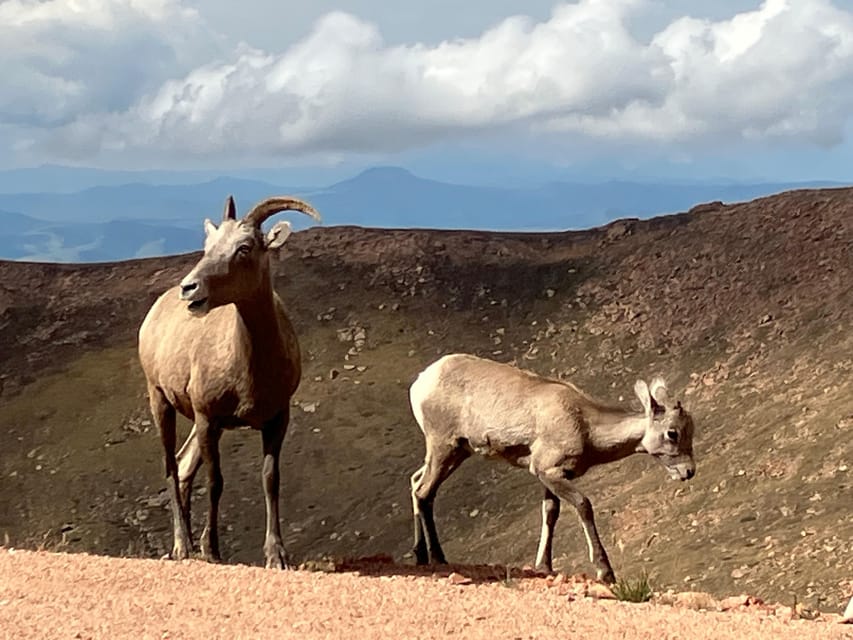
243,250
672,435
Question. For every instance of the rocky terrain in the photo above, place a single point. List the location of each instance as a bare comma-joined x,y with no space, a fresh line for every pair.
744,308
120,598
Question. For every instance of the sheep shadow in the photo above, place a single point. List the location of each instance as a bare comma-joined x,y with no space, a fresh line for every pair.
384,565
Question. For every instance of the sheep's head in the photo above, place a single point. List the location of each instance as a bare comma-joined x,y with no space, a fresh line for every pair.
235,265
669,433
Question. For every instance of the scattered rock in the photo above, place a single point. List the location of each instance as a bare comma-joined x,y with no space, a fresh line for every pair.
328,315
618,230
458,578
738,573
309,407
805,613
159,500
733,602
359,337
706,207
784,613
847,616
696,600
600,592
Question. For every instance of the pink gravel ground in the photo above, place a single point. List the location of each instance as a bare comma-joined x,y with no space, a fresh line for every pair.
45,595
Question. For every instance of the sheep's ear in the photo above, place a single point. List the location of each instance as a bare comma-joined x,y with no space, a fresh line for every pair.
209,227
277,236
657,389
642,391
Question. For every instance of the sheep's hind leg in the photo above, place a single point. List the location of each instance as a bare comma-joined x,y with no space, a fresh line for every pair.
208,439
189,461
440,463
272,433
550,514
164,417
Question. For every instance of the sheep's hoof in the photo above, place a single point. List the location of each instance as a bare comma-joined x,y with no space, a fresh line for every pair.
421,554
179,552
276,558
606,576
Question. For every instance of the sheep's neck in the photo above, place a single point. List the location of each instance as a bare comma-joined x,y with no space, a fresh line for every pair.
614,437
260,318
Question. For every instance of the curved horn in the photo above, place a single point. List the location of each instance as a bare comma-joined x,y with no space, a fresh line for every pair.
268,207
230,210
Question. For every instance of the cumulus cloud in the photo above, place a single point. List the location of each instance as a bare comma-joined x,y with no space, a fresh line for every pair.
67,60
162,81
782,71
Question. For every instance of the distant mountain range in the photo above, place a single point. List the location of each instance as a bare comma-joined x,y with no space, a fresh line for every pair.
157,214
25,238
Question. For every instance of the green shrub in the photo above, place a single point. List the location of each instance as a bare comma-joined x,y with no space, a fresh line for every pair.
637,590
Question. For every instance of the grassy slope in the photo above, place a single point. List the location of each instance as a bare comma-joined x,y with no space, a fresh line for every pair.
745,309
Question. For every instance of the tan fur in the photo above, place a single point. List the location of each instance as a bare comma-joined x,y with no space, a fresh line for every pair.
466,405
220,350
221,367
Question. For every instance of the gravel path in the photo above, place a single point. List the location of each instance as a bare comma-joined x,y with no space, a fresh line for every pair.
44,595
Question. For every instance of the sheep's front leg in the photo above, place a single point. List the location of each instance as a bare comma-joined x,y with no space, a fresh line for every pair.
440,462
273,435
419,548
550,514
555,479
208,440
164,417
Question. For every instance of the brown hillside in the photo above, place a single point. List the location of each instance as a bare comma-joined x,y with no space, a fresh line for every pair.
746,309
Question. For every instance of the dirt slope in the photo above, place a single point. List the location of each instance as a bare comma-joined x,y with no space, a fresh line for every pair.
115,598
746,309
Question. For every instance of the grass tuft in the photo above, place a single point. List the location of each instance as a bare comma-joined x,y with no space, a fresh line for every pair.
637,590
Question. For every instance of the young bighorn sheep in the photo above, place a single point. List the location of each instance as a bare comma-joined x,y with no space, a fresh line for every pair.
466,405
220,349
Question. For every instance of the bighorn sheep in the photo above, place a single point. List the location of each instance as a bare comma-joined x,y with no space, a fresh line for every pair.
466,405
220,349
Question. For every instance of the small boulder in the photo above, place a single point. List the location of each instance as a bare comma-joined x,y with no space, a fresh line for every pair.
847,616
458,578
600,592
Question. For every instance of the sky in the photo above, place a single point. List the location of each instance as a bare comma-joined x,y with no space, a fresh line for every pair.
474,90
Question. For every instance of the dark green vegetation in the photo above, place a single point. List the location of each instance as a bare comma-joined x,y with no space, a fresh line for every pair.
633,589
745,309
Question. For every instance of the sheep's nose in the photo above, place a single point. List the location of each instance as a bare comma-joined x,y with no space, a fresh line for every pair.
690,473
188,289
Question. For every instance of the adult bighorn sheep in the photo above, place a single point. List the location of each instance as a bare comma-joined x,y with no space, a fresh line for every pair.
466,405
219,349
